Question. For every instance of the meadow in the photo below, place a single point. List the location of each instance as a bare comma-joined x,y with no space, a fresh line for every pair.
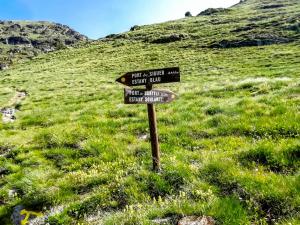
230,144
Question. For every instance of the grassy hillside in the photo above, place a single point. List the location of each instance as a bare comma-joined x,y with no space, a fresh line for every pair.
27,39
230,142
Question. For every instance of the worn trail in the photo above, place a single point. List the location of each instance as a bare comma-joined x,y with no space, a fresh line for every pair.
9,112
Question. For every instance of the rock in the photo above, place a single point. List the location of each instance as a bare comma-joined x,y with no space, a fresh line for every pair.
16,216
14,27
8,115
294,27
4,151
12,193
42,220
3,171
213,11
272,6
21,94
3,66
34,38
136,27
3,41
15,40
22,216
188,14
170,38
194,220
143,137
165,221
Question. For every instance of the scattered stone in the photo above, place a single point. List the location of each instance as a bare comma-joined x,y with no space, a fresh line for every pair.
42,220
4,151
8,115
143,137
194,220
15,40
170,38
3,171
21,94
165,221
14,27
12,193
3,66
213,11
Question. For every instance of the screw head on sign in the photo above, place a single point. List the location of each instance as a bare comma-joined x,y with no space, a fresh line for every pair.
123,79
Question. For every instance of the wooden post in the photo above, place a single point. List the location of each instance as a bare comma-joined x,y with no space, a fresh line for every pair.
153,134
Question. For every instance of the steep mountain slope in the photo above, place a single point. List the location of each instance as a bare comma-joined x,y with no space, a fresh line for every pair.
26,39
230,142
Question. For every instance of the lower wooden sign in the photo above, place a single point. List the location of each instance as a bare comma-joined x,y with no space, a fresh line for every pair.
143,96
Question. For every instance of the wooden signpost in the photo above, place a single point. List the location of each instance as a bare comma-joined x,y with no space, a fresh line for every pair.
150,97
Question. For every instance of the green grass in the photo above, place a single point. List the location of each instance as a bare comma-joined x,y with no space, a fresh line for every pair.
229,143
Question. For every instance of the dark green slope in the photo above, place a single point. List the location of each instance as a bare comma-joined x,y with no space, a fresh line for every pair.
229,143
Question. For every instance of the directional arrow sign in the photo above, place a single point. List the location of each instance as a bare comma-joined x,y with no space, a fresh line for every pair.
148,77
142,96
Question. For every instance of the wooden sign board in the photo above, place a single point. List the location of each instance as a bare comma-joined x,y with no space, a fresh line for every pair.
142,96
149,77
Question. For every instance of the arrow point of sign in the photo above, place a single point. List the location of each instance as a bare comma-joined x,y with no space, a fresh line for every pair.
121,80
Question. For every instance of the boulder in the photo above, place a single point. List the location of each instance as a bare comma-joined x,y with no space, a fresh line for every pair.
194,220
188,14
16,216
136,27
16,40
14,27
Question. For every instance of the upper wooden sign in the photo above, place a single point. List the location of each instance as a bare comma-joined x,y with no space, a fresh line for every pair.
148,77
